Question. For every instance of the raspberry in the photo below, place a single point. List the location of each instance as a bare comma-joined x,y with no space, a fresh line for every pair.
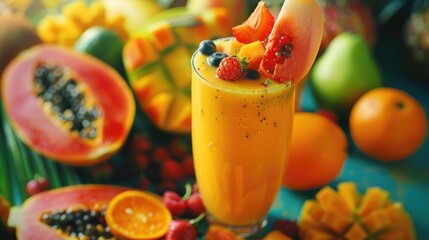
160,154
171,170
142,161
188,166
181,230
174,203
195,205
177,149
230,69
140,144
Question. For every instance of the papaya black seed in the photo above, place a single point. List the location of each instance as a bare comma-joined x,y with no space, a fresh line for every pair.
85,217
90,230
66,100
79,222
82,223
285,51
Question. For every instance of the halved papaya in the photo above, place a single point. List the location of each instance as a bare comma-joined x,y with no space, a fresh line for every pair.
65,213
157,62
66,105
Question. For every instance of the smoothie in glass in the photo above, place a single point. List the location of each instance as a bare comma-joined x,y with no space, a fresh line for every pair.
240,138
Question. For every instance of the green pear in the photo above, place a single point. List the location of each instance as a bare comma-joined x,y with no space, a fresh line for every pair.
344,72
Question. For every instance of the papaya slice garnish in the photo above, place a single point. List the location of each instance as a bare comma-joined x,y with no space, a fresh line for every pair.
257,27
137,215
293,44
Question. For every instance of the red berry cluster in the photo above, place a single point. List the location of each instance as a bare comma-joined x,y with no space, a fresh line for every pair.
37,185
102,173
189,205
164,165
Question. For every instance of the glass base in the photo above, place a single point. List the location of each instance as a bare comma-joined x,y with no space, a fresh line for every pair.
242,231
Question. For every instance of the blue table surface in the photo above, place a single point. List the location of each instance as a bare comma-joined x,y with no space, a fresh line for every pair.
407,181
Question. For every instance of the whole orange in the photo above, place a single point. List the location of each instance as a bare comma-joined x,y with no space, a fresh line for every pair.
318,151
388,124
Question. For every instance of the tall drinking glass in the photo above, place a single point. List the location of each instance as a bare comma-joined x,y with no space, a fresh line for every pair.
241,134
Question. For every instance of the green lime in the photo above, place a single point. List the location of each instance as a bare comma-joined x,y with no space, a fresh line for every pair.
103,44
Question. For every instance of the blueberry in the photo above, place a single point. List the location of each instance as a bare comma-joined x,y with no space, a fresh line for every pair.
207,47
252,74
215,58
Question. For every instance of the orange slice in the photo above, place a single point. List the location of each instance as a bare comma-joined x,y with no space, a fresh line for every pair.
137,215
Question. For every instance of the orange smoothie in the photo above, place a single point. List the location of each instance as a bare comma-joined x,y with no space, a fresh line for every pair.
240,134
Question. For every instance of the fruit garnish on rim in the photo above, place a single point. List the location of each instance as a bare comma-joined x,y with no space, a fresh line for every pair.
294,42
282,49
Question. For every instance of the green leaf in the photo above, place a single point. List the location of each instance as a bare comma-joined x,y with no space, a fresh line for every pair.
37,160
19,172
5,186
267,82
53,175
68,175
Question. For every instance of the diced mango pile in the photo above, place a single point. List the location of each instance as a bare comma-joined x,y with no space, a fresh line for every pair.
76,17
347,214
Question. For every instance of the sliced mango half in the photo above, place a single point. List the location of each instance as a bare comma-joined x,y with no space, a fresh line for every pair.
157,62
